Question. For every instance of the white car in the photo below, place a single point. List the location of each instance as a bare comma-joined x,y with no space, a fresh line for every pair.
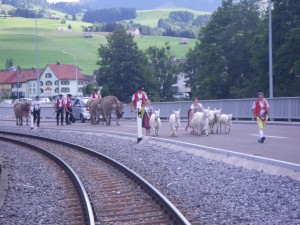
7,101
44,100
181,96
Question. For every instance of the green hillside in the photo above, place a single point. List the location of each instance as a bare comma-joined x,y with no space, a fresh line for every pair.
17,38
151,17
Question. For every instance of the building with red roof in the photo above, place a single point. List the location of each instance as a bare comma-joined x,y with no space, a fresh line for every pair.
61,79
55,79
14,81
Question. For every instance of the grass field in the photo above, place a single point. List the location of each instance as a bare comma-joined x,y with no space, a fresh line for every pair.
17,41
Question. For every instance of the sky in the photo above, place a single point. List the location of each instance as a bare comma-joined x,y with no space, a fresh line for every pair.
51,1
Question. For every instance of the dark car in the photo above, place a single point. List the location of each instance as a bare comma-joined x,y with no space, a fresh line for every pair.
79,109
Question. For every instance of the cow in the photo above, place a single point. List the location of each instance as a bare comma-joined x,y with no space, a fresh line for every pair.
22,109
93,105
109,105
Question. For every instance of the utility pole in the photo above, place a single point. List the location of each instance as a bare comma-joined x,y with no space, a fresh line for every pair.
270,51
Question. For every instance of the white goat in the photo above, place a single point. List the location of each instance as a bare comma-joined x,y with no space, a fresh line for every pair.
174,122
199,122
226,120
214,116
155,122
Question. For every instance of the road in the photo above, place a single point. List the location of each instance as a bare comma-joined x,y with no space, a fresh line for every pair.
282,141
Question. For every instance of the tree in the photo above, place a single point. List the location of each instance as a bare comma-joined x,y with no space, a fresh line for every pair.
165,69
286,48
123,67
220,64
9,63
88,90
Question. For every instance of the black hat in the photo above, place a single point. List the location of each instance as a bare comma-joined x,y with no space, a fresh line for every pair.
60,95
95,89
140,88
69,95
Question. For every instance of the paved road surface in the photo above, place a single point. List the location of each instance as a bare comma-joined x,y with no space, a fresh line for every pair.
282,141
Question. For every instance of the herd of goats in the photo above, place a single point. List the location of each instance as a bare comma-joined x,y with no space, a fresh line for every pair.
199,122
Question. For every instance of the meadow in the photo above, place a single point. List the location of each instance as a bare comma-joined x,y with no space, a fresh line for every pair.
18,41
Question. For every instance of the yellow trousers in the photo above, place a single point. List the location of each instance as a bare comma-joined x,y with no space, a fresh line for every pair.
261,123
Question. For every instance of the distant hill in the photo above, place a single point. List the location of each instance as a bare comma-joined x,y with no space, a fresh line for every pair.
200,5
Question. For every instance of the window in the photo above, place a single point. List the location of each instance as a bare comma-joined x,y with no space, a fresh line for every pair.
79,89
41,83
80,82
48,83
41,90
56,90
65,90
16,85
48,75
56,82
64,82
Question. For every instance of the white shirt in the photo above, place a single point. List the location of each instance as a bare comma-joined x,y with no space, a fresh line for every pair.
197,107
36,105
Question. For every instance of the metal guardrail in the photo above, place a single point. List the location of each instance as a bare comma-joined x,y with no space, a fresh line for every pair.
283,108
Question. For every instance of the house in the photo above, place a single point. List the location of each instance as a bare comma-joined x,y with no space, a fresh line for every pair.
180,87
87,35
19,83
133,31
61,79
184,41
5,85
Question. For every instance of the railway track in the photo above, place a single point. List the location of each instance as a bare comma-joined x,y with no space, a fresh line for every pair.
115,198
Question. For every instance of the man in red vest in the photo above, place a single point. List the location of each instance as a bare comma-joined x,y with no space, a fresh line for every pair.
260,110
139,96
69,111
59,108
96,94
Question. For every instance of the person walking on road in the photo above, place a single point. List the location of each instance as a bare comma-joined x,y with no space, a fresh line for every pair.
69,112
147,115
260,110
96,94
36,110
139,96
59,108
195,107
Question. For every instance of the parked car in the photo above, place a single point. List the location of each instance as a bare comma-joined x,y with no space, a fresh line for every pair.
7,101
44,100
79,109
181,96
24,100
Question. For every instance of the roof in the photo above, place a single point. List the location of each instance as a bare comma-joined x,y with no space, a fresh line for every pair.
66,71
10,77
6,76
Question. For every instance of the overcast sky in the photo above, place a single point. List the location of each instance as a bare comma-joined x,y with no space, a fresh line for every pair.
51,1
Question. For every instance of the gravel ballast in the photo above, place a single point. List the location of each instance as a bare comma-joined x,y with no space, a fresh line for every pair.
214,192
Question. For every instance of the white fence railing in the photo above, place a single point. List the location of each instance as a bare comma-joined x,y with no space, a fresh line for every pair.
285,108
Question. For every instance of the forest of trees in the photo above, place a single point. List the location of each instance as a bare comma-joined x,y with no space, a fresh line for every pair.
230,59
109,15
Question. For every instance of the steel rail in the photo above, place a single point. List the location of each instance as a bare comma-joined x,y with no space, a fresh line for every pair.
89,214
176,215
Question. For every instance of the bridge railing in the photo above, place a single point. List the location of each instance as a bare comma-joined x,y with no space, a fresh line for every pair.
283,108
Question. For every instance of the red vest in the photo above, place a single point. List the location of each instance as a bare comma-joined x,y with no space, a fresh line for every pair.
95,95
136,98
258,108
58,101
69,103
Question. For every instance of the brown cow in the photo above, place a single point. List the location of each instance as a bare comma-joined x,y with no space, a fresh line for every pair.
109,105
93,105
22,109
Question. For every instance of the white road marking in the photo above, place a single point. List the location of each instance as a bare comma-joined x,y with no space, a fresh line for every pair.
270,136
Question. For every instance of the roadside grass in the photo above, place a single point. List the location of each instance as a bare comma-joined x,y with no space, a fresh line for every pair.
17,38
